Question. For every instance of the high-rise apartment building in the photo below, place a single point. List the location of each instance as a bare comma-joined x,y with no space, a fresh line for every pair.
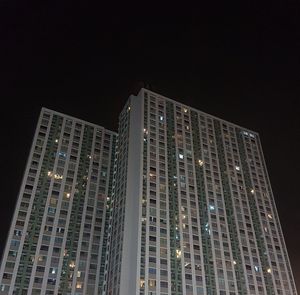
193,210
179,203
58,237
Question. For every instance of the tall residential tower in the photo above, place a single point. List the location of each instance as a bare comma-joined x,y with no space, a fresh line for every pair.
193,210
178,203
58,237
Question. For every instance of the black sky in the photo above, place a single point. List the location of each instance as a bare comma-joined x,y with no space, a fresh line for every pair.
238,62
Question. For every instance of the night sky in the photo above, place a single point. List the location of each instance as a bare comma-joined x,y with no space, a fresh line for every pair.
240,63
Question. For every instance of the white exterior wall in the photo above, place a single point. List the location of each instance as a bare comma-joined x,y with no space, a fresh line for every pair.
131,241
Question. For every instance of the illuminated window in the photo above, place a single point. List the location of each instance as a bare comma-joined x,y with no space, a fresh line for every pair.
53,201
269,270
237,168
207,228
56,176
152,283
180,156
200,162
270,216
72,264
67,195
152,175
17,232
62,154
53,270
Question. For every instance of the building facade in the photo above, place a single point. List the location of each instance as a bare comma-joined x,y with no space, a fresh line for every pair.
179,203
58,237
193,210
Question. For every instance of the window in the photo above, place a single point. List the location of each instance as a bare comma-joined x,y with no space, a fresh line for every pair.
152,270
79,285
152,259
15,243
164,284
40,269
53,270
152,283
51,281
142,283
38,280
17,233
163,272
51,210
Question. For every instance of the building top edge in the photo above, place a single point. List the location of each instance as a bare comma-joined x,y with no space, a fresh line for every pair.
79,120
194,109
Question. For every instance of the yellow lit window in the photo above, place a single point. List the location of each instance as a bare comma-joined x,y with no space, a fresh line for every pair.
142,283
72,264
178,253
152,283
